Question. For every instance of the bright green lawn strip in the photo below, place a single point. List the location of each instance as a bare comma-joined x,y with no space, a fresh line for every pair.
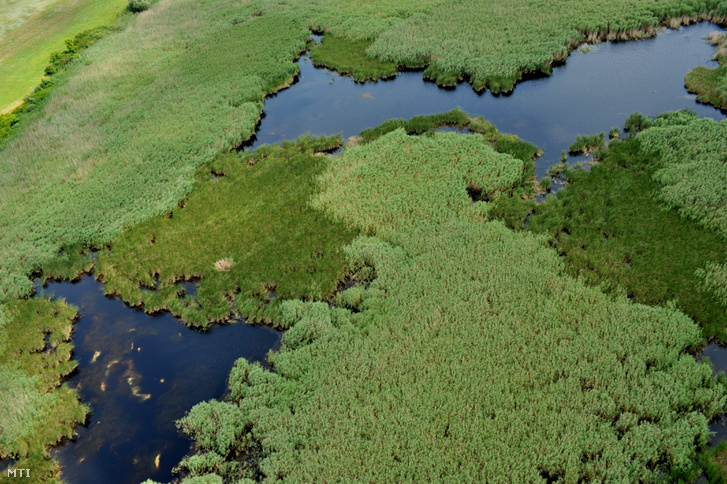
348,56
256,215
24,51
466,356
610,229
35,410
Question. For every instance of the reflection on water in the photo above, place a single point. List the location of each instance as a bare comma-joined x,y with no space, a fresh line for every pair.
139,373
591,93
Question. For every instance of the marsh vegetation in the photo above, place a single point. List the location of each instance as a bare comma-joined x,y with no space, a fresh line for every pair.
35,356
461,338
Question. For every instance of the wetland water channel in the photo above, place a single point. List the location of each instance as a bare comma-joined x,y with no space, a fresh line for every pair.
139,373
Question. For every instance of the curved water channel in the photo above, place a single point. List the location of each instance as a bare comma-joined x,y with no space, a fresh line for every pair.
139,373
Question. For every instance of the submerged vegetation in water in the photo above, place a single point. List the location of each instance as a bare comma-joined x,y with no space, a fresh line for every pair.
244,231
463,340
36,411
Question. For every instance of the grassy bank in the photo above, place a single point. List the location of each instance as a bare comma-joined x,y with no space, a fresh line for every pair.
244,231
24,50
648,220
464,353
36,411
710,85
348,57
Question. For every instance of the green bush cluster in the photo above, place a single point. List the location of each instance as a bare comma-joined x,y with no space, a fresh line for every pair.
139,5
35,410
464,354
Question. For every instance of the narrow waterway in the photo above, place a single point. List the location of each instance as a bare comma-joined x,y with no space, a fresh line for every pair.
591,92
140,373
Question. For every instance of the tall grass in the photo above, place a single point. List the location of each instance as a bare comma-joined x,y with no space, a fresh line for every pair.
710,85
243,234
122,135
120,139
35,410
463,354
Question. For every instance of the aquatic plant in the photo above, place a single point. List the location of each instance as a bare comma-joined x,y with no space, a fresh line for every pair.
465,342
347,56
710,84
36,411
612,231
587,143
119,139
242,234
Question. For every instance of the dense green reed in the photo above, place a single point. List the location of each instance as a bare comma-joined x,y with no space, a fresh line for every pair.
254,214
348,56
122,135
611,230
710,85
462,354
35,410
586,143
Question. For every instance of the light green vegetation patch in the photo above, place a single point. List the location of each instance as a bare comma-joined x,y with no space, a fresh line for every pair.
348,56
24,50
465,354
710,84
120,139
35,410
256,216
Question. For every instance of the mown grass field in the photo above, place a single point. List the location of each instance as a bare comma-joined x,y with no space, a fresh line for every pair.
24,50
463,354
35,410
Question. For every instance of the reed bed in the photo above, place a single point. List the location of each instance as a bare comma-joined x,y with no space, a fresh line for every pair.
120,138
244,231
464,353
36,411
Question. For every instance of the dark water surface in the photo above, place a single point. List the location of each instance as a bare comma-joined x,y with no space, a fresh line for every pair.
150,370
591,93
139,373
